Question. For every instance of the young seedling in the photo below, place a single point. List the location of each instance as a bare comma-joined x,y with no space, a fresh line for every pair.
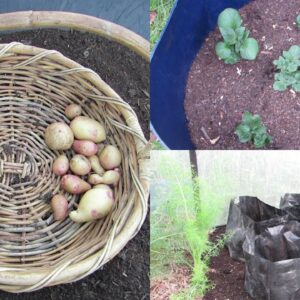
237,43
252,130
288,64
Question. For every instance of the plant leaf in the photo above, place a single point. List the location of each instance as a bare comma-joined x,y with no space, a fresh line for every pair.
249,49
229,35
279,86
229,18
253,121
295,51
243,132
222,50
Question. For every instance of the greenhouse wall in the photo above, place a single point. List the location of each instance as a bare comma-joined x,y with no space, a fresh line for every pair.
264,174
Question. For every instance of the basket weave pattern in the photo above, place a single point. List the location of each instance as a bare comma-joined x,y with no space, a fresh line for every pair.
35,251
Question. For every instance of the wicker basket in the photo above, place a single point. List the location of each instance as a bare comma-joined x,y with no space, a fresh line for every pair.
35,250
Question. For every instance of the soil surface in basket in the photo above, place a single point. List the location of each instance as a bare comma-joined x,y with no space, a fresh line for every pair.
126,276
217,94
226,274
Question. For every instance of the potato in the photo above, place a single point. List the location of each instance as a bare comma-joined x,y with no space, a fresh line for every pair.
94,204
86,148
59,205
61,165
85,128
72,111
109,177
96,167
74,185
59,136
110,157
80,165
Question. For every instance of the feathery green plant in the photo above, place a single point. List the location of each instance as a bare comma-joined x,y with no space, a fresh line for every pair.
181,225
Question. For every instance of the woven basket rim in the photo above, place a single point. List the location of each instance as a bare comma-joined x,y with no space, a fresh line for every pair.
15,280
60,19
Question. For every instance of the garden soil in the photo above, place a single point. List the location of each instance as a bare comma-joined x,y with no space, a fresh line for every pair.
226,274
217,94
126,276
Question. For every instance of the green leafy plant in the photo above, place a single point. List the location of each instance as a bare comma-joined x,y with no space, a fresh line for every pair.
298,20
180,225
251,129
288,64
237,43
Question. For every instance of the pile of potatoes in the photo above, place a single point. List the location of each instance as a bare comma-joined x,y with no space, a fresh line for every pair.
94,164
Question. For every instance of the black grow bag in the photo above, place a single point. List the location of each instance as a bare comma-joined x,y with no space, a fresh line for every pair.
273,263
291,204
249,214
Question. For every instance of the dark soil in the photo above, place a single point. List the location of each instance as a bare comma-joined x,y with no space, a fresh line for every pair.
126,276
217,94
226,274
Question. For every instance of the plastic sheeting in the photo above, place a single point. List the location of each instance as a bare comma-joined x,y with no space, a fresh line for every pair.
291,204
249,214
268,240
132,14
273,263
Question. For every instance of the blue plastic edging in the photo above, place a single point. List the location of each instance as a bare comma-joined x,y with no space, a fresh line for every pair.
188,26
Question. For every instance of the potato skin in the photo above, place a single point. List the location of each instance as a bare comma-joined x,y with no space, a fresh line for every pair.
60,165
96,167
59,136
80,165
74,185
72,111
85,128
94,204
86,148
110,157
110,177
59,205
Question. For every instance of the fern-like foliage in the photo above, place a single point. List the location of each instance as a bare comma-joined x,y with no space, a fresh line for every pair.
180,225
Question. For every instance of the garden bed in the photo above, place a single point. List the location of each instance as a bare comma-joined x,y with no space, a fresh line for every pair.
127,73
217,94
226,274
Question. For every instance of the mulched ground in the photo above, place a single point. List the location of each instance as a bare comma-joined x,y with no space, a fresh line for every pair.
226,274
217,94
126,276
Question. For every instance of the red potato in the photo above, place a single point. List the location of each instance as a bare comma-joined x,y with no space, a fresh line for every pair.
59,205
80,165
59,136
109,177
94,204
74,185
72,111
96,167
110,157
85,128
86,148
60,165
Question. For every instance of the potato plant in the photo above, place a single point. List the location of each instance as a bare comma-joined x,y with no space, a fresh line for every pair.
298,21
289,74
237,44
252,130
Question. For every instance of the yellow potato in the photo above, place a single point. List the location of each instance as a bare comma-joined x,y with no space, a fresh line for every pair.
80,165
94,204
59,136
110,157
72,111
85,128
